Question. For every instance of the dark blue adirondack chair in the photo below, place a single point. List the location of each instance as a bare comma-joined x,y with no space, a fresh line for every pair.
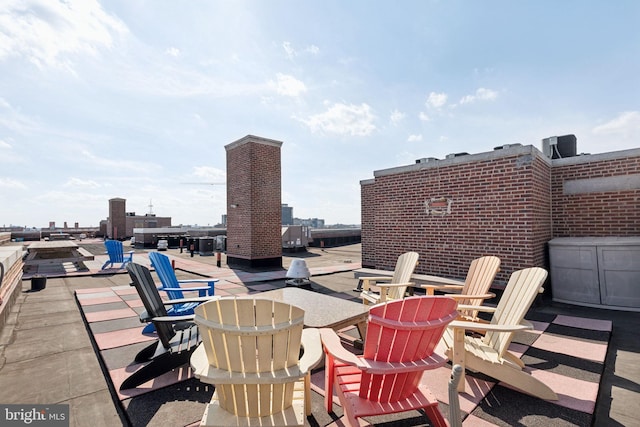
178,336
172,286
116,254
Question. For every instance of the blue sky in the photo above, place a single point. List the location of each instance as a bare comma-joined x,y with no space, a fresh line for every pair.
137,99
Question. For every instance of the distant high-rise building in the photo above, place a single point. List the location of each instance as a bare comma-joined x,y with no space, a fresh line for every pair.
287,214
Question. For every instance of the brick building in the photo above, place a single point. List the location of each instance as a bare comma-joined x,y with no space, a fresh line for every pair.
119,224
509,203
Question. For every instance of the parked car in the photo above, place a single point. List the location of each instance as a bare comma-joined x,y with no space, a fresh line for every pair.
163,245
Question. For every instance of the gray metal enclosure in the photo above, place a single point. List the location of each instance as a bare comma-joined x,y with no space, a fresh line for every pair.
596,271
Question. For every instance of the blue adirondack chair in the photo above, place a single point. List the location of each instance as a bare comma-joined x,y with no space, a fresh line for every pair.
116,254
172,286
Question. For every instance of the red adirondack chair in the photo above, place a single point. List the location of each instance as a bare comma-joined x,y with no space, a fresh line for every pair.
401,337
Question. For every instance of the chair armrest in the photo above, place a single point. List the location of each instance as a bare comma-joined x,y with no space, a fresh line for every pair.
185,289
187,300
442,287
369,281
209,281
173,319
375,278
312,346
212,375
394,285
457,324
482,308
465,296
432,362
333,346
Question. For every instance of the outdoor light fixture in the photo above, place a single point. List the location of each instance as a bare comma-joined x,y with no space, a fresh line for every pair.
298,273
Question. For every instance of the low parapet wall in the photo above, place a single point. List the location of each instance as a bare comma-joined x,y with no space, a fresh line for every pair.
5,237
10,279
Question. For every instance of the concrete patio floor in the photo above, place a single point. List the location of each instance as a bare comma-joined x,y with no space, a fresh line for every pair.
46,355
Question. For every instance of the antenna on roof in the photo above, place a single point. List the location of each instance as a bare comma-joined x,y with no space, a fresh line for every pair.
150,207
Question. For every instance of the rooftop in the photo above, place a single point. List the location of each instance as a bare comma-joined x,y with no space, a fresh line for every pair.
50,354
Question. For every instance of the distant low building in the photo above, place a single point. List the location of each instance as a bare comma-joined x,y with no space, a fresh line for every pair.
310,222
120,224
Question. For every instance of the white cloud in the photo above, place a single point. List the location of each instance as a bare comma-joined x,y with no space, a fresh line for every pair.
81,183
48,33
11,183
396,117
313,49
287,85
436,100
482,94
343,119
415,138
627,123
423,116
290,51
209,174
12,119
4,145
117,164
173,51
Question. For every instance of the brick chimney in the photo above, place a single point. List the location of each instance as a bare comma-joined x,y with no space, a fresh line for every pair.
254,213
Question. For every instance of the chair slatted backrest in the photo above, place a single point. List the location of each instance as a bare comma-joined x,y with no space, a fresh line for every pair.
517,298
405,266
115,250
404,330
144,284
252,336
165,272
480,276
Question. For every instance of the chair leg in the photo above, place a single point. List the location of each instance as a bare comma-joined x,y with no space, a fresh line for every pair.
434,415
328,382
307,395
158,366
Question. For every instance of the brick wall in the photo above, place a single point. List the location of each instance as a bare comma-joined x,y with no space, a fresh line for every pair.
368,213
507,203
583,210
254,215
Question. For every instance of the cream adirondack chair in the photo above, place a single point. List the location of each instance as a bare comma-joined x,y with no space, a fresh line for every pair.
475,289
489,354
250,350
390,288
399,347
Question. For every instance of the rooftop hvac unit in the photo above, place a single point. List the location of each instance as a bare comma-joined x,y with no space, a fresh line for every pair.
559,147
507,146
426,160
453,155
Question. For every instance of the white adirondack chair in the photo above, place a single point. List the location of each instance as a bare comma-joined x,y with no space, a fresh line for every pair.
482,272
390,288
489,354
251,352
